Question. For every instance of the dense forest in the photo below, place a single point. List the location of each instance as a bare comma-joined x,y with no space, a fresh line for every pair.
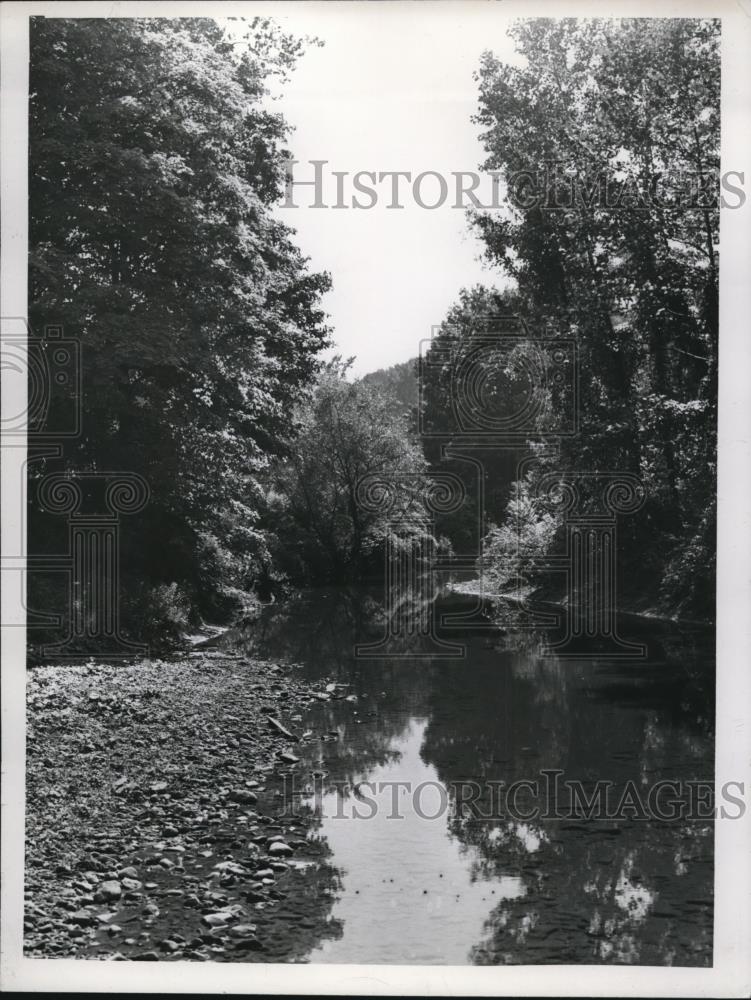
155,164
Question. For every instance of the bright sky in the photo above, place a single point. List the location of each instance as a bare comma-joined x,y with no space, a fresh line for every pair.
391,89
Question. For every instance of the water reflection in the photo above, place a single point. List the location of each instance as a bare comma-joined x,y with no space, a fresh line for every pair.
463,888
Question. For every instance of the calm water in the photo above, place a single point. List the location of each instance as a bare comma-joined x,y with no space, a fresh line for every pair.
407,876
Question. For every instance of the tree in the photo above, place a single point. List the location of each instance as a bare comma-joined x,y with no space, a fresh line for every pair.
400,381
472,365
154,166
321,529
609,139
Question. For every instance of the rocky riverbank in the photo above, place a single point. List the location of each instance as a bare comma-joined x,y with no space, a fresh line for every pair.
155,824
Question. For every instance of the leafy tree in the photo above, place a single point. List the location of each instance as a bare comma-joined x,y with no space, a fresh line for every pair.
463,372
155,163
321,529
528,532
608,137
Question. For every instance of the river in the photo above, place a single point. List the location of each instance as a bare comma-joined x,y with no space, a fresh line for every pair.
408,875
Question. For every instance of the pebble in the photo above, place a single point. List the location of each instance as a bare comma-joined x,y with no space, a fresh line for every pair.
243,930
184,801
280,849
243,796
247,944
108,891
230,867
277,725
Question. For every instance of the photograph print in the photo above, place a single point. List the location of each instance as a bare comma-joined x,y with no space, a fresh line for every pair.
369,473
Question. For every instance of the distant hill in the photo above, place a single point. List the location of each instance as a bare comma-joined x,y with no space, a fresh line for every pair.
400,380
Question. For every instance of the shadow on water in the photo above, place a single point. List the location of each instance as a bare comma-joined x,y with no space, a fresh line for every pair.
449,876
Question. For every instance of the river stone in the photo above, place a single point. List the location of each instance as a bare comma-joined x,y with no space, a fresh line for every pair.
280,849
277,725
243,930
243,795
288,758
128,873
248,944
82,917
108,891
217,919
230,867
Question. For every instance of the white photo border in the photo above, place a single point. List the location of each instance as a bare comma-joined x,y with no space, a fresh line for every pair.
730,975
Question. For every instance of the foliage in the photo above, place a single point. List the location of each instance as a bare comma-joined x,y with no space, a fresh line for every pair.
399,381
321,528
631,118
456,369
514,550
154,167
157,616
607,138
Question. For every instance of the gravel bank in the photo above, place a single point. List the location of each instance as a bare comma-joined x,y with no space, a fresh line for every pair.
155,826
